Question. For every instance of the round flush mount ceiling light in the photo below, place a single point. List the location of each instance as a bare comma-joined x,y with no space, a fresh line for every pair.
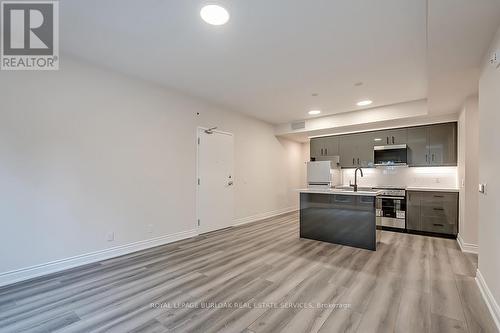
214,14
314,112
364,103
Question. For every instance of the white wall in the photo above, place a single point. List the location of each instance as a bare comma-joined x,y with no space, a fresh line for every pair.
489,161
306,157
85,151
468,167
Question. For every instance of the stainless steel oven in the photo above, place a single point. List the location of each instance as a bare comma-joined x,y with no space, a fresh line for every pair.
391,208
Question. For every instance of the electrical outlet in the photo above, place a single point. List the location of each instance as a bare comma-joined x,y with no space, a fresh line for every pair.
110,236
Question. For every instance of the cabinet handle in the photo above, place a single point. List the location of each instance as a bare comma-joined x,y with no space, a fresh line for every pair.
438,208
438,225
426,158
438,196
353,161
321,151
387,139
432,157
392,140
326,151
358,160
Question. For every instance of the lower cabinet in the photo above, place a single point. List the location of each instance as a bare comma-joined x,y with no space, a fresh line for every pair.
435,212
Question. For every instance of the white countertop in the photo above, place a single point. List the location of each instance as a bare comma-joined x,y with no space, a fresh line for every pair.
432,189
338,191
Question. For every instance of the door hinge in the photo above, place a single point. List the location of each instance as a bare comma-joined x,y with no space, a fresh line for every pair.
198,181
198,222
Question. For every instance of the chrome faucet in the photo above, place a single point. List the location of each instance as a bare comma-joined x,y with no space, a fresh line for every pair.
355,185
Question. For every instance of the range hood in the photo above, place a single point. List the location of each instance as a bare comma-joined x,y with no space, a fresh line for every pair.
390,155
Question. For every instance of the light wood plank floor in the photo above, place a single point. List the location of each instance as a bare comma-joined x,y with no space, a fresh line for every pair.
411,284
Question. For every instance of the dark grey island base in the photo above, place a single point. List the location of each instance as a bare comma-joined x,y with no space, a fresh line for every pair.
339,219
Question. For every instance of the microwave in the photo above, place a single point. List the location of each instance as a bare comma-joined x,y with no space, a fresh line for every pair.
390,155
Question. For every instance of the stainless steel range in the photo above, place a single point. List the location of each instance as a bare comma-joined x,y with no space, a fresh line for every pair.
391,207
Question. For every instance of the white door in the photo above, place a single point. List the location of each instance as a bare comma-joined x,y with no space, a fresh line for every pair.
215,180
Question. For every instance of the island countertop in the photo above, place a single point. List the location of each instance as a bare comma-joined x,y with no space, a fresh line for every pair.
372,193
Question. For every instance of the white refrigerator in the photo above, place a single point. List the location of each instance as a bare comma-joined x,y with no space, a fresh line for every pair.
323,174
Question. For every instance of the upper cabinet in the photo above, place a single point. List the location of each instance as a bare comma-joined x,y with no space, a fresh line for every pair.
356,150
324,148
443,144
418,146
391,137
434,145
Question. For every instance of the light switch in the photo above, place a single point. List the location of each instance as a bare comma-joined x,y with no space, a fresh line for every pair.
495,59
482,188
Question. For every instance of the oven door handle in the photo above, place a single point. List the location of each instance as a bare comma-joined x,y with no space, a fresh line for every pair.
386,197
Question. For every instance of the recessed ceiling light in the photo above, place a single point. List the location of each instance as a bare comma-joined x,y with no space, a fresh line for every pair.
214,14
364,103
313,112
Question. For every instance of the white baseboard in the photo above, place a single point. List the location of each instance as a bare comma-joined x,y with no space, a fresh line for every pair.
488,298
262,216
467,247
88,258
60,265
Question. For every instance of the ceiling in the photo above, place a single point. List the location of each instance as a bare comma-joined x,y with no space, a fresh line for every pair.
273,55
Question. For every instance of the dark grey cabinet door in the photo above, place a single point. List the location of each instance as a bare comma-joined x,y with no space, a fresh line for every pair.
348,151
364,145
413,211
435,212
356,150
315,147
439,212
398,136
418,146
325,147
391,137
376,138
331,145
443,144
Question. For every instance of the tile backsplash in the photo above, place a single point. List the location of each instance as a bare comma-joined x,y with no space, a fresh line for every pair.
437,177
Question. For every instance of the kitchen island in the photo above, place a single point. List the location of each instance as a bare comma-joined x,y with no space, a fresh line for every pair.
339,216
